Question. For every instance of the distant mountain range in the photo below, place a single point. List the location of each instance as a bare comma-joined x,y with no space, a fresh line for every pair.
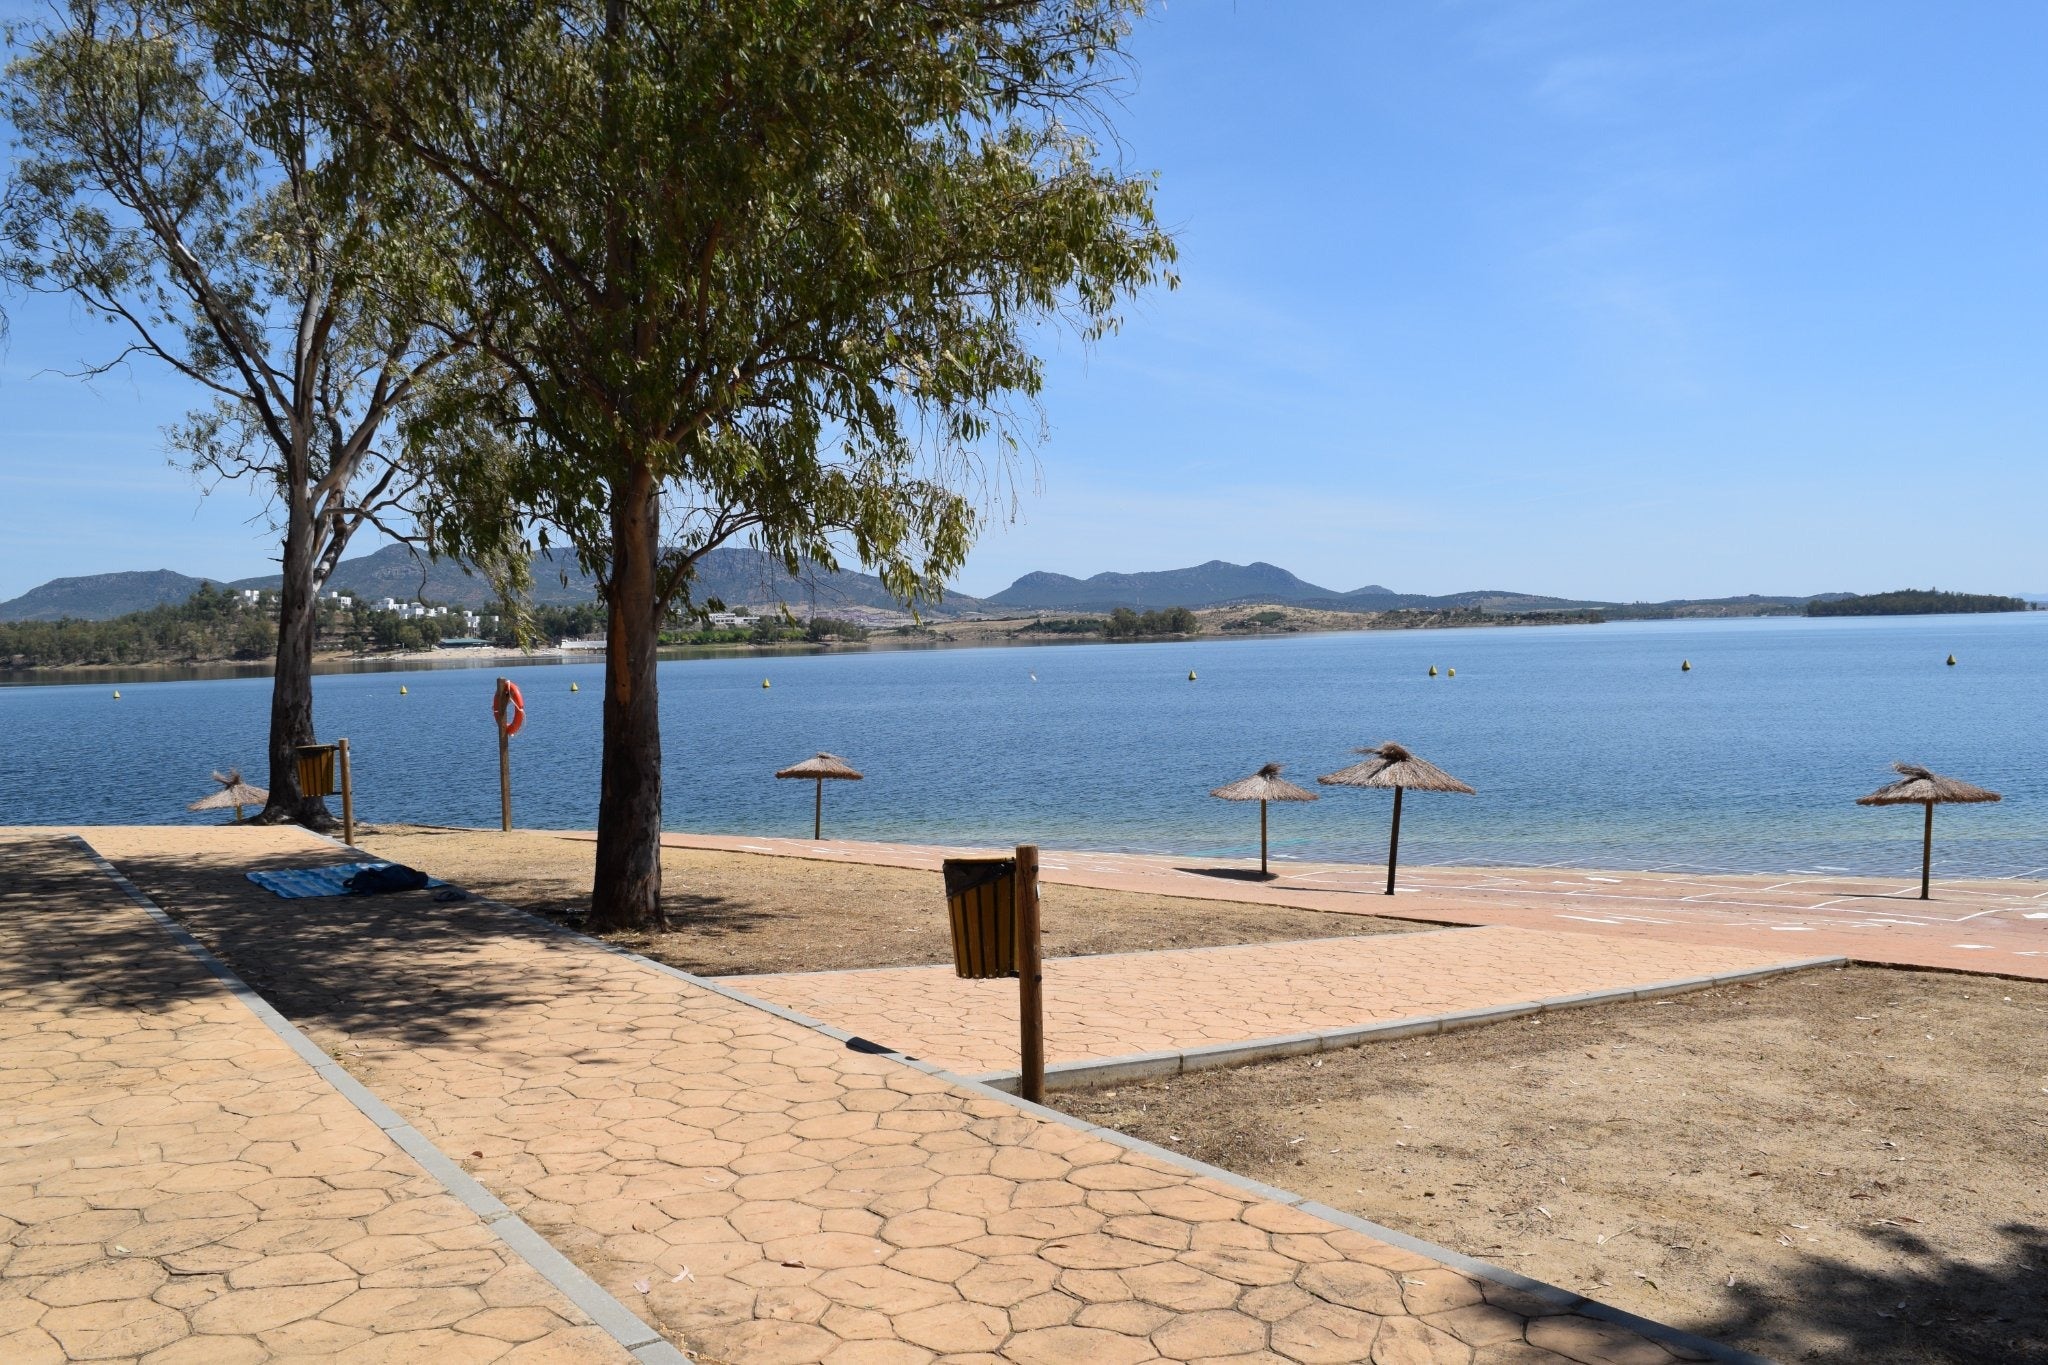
734,575
738,576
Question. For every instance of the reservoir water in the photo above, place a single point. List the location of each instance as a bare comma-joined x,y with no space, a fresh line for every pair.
1588,745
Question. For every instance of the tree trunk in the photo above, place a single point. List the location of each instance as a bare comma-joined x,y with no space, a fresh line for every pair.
627,892
291,686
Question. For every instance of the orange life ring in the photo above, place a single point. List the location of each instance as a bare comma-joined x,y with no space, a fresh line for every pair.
510,691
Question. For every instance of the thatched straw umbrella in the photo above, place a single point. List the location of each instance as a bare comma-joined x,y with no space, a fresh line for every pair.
818,769
1262,786
233,792
1921,787
1393,766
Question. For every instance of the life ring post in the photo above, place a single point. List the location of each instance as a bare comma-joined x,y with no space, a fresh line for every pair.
509,710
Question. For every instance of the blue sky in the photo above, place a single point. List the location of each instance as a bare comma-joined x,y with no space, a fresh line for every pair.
1590,297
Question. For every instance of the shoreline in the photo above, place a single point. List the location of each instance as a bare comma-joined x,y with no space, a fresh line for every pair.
974,634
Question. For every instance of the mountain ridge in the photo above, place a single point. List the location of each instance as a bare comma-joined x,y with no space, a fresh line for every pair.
739,576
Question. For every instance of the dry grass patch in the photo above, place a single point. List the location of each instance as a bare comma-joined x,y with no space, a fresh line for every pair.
1835,1166
747,913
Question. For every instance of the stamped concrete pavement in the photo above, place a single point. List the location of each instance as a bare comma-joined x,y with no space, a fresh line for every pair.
768,1191
178,1187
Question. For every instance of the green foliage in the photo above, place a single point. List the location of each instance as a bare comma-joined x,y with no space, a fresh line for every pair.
1068,625
1257,622
832,628
177,184
554,624
1916,602
778,265
1125,624
210,625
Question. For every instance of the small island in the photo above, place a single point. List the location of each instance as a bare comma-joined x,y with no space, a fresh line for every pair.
1914,602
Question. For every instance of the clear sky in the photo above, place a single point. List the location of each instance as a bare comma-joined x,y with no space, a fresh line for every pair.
1592,297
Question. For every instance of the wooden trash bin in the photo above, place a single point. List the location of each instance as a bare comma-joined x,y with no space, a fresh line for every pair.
316,770
981,897
993,904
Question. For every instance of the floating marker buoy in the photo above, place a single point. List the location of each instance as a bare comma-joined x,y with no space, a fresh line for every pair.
764,682
1191,675
572,687
117,694
1432,670
1450,672
1951,664
1685,667
401,690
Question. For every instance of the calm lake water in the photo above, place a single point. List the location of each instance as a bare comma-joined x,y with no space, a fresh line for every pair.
1588,744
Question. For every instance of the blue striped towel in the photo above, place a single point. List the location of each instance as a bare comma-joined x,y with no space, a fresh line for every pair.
299,883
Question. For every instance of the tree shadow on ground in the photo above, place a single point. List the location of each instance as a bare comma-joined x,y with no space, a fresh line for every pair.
71,937
1934,1311
400,968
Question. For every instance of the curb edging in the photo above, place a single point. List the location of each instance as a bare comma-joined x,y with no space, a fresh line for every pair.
1148,1066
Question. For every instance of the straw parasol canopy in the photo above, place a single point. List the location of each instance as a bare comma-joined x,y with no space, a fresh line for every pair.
818,769
1919,787
1262,786
1390,765
234,793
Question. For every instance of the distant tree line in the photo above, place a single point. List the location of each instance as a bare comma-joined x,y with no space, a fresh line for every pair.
211,624
1916,602
1062,625
1125,624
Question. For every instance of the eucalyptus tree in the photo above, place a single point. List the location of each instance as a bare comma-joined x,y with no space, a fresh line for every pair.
181,187
768,269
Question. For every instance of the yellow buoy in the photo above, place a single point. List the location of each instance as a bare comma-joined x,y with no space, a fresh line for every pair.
1685,667
1191,675
573,687
1450,673
764,682
1432,670
401,690
1951,664
117,694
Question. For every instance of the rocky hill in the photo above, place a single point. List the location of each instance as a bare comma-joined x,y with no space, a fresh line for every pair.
100,596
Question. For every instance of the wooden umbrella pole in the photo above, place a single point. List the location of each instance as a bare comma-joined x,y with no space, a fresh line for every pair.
1030,979
1394,842
504,766
1262,839
1926,850
818,814
348,799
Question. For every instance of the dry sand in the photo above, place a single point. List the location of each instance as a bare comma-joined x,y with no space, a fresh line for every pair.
741,913
1835,1166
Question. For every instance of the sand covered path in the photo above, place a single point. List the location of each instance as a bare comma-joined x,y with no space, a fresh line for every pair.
763,1190
1996,926
1207,1004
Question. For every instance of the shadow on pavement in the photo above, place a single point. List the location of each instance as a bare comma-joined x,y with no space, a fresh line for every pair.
69,934
398,968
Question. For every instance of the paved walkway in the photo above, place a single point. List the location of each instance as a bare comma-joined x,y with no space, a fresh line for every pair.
766,1192
1975,926
1115,1005
176,1185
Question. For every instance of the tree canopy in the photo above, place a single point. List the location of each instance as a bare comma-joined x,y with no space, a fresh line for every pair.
187,188
762,270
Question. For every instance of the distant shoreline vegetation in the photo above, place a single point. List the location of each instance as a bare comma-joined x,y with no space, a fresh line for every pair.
1916,602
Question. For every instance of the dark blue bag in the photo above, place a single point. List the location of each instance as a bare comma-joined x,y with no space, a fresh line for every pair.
376,881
